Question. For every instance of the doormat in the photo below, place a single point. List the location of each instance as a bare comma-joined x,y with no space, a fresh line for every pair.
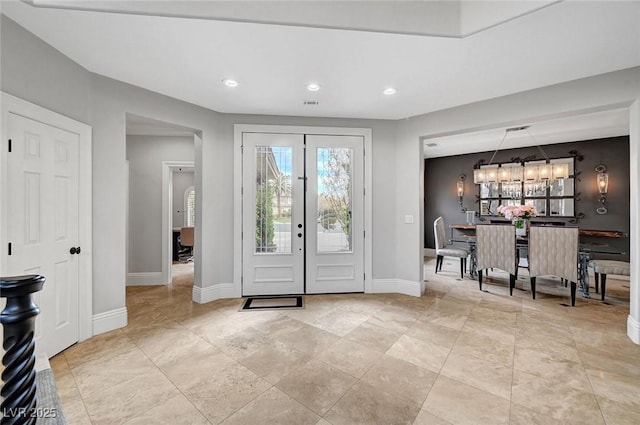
273,303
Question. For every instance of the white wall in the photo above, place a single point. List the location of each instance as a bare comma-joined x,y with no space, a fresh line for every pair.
145,155
181,181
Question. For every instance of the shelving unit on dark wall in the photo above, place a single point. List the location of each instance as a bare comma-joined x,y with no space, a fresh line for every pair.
442,174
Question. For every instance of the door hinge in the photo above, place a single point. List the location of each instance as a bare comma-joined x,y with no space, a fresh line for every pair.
9,145
364,276
9,248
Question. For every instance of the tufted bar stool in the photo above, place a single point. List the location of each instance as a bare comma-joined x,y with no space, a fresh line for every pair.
601,268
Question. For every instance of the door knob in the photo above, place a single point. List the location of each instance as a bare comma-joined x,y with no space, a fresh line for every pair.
299,235
74,250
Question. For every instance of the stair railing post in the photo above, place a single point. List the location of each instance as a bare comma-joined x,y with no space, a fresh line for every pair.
19,376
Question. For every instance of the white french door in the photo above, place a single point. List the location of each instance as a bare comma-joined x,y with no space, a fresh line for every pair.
43,224
303,214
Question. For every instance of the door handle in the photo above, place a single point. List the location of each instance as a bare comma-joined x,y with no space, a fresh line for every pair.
299,235
74,250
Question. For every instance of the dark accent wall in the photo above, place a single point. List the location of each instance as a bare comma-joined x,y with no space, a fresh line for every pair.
441,175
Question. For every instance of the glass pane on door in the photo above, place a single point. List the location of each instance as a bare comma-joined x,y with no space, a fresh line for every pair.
334,177
273,200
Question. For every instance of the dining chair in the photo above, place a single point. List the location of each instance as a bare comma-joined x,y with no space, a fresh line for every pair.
496,248
553,251
443,251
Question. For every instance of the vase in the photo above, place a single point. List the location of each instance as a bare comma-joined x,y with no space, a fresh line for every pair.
521,225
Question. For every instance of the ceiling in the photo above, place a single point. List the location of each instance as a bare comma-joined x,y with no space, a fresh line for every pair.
437,54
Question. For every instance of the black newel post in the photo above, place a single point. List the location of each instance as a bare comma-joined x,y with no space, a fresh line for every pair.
19,376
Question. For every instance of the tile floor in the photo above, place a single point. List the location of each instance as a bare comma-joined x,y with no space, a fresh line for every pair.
454,356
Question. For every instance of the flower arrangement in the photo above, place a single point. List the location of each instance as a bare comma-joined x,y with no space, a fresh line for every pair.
517,211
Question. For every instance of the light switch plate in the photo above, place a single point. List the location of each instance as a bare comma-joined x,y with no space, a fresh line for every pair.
408,219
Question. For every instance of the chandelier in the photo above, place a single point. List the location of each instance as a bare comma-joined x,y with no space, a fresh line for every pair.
517,172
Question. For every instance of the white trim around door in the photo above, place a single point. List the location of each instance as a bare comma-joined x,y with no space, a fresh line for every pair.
167,216
239,129
17,106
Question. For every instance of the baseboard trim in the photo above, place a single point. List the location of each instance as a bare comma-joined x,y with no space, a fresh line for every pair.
633,329
214,292
429,252
109,320
400,286
148,278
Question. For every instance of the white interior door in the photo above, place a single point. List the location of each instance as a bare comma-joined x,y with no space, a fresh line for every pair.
43,224
302,238
335,214
273,214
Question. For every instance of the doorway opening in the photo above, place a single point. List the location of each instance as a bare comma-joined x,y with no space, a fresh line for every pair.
161,166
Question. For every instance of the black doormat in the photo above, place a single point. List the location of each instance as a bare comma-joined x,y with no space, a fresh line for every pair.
273,303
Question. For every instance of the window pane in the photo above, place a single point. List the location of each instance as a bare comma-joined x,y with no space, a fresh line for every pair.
540,204
535,189
512,190
488,207
191,208
562,207
273,200
562,187
489,190
334,199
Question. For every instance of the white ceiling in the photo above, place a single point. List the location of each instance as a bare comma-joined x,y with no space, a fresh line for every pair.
477,50
567,129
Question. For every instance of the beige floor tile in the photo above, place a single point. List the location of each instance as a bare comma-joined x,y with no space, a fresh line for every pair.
479,407
428,355
426,418
340,322
552,398
130,398
350,357
274,408
619,388
520,415
75,413
454,319
617,413
316,385
472,343
364,404
275,361
94,376
394,318
308,339
431,332
171,343
99,348
175,411
491,377
600,359
180,362
401,378
373,337
552,365
217,385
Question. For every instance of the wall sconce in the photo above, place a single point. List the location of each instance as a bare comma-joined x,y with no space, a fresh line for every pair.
460,190
603,185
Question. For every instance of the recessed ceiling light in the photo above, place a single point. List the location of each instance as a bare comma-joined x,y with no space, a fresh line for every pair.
230,83
313,87
389,91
